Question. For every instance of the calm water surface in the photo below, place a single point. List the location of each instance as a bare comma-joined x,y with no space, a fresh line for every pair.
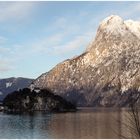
86,123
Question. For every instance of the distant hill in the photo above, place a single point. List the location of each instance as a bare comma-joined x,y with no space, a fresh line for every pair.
9,85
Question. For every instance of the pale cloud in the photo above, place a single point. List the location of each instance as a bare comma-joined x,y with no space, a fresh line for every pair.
81,41
4,50
60,22
53,44
64,29
131,10
69,38
5,65
72,45
15,10
63,25
2,40
43,45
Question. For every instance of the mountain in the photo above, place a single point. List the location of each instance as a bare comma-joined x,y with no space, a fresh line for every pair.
106,73
9,85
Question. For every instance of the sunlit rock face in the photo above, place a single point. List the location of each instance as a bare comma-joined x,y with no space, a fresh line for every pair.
105,73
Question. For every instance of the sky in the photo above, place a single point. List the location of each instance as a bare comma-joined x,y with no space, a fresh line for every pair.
36,36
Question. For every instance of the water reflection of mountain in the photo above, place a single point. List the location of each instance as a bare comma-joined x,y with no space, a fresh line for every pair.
89,123
97,124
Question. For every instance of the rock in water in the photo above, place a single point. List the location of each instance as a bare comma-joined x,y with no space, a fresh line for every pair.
105,73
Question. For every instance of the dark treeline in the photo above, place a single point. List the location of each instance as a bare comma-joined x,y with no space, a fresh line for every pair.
31,100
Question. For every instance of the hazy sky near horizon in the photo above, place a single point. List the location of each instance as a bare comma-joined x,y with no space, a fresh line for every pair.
35,36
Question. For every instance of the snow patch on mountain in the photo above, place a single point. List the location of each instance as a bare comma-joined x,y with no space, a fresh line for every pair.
8,84
116,25
1,93
113,24
133,26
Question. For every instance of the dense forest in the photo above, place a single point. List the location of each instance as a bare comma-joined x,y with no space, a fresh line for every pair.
33,100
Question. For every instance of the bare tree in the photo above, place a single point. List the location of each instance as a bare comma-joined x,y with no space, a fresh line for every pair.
131,123
133,114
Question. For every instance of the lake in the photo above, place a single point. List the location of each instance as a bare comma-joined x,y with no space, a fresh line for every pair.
85,123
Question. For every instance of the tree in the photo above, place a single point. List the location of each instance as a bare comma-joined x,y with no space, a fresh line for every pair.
132,116
30,100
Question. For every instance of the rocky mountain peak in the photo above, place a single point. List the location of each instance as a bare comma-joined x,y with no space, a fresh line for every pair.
105,73
115,33
111,24
115,25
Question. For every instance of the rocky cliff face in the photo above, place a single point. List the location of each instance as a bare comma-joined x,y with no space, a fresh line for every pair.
9,85
105,73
